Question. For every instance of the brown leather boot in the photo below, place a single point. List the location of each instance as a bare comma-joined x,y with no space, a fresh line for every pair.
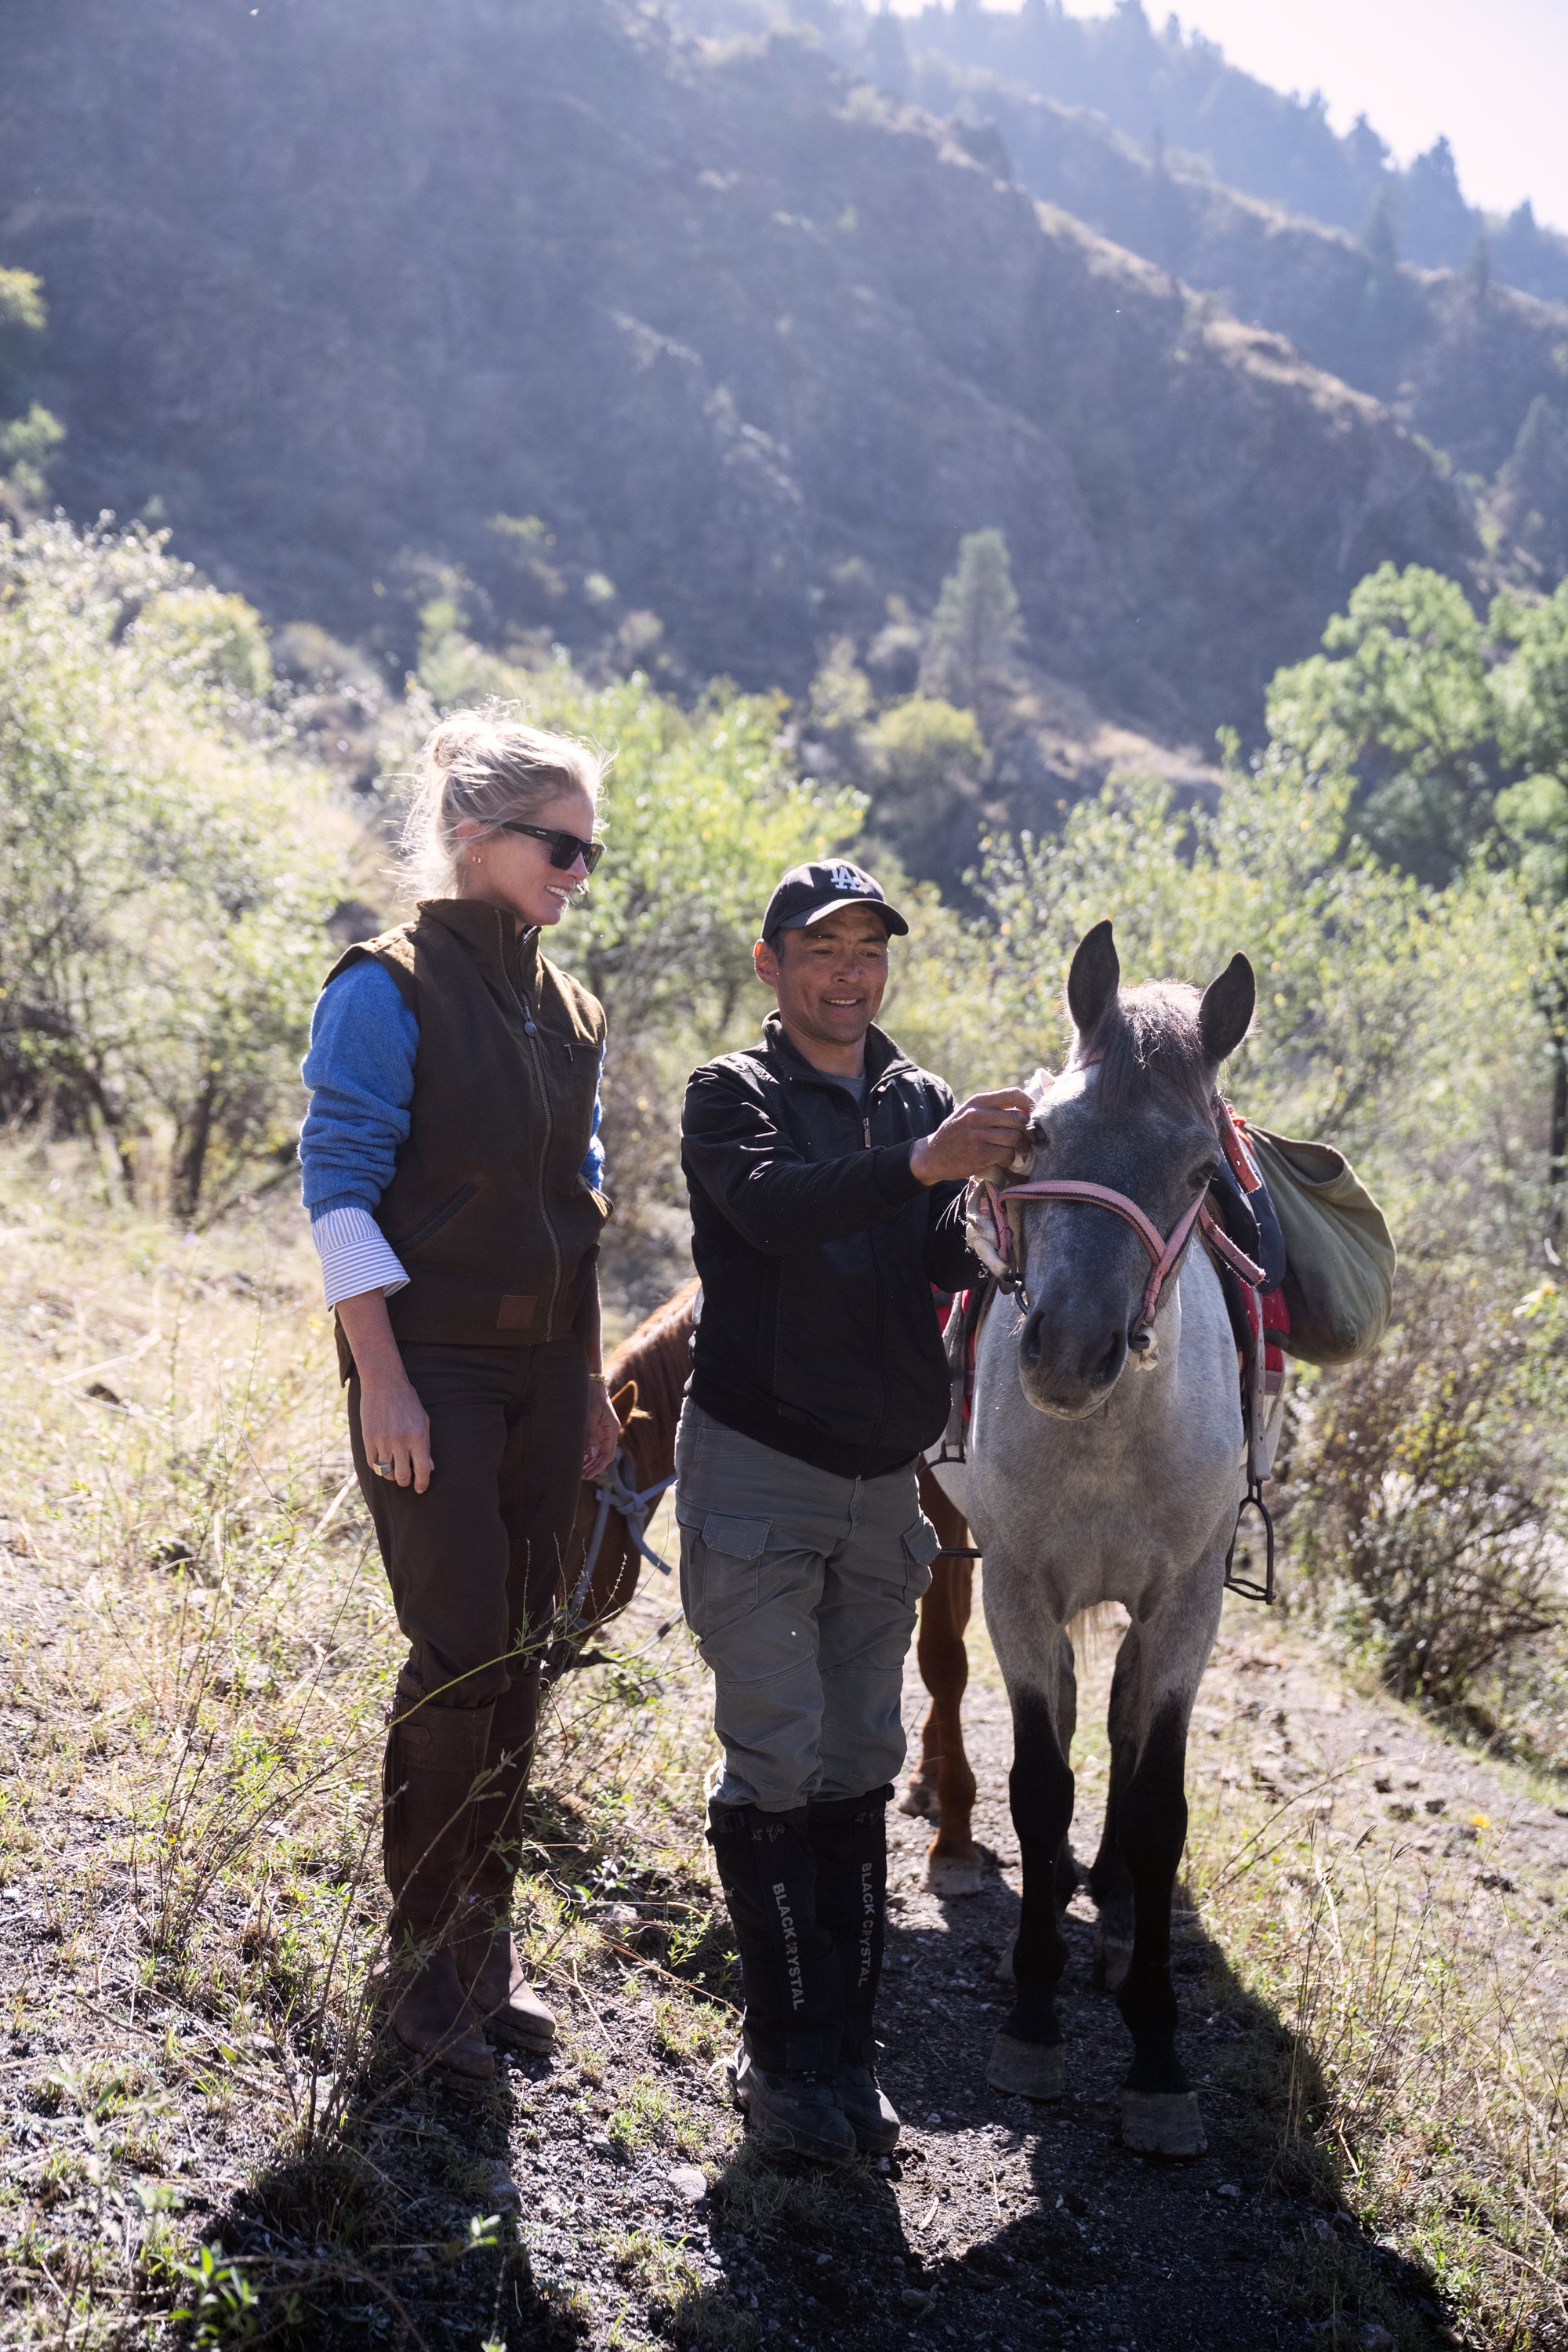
487,1957
435,1755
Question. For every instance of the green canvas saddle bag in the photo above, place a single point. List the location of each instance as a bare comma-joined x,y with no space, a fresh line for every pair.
1340,1255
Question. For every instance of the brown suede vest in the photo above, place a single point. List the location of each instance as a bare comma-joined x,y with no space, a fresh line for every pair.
495,1226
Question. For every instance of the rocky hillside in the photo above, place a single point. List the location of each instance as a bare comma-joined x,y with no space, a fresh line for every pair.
1164,87
565,310
1458,356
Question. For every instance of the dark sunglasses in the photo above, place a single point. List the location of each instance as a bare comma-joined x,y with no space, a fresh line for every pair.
565,849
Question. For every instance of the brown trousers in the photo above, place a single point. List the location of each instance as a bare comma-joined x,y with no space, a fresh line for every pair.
475,1567
475,1563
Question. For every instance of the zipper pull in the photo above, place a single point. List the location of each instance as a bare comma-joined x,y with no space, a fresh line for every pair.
865,1124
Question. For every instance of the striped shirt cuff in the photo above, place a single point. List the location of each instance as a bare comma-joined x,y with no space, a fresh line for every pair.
354,1254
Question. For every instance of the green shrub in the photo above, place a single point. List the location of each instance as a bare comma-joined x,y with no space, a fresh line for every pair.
1433,1516
167,868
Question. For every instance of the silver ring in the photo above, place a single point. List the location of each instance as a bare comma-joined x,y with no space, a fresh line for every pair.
382,1469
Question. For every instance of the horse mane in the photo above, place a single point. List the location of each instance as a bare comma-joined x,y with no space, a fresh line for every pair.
658,1356
1148,1039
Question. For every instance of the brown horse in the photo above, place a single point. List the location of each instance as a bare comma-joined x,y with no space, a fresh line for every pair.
647,1376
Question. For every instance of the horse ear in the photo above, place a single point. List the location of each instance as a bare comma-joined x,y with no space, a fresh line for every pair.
1226,1013
623,1403
1094,979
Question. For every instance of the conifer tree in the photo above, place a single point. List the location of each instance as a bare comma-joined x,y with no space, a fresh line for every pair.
976,625
886,54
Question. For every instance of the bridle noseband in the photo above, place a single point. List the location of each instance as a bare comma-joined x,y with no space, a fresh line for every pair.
1165,1252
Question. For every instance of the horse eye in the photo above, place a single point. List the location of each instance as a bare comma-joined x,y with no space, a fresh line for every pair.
1205,1175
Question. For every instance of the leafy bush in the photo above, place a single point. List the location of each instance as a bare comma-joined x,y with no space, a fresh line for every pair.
166,867
1432,1511
29,436
926,758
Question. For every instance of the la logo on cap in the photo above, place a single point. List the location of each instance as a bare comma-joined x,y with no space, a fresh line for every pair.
849,878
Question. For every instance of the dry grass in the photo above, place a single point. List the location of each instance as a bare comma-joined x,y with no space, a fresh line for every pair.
1407,2058
199,1644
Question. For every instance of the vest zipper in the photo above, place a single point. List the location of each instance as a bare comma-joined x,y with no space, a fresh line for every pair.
531,1031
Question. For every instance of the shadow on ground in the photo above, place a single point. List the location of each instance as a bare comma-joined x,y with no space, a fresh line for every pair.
389,2228
1248,2246
1000,2225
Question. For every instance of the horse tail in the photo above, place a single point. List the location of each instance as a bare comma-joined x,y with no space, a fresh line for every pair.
1094,1630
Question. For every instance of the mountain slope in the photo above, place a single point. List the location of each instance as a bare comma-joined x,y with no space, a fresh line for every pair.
340,289
1177,88
1458,356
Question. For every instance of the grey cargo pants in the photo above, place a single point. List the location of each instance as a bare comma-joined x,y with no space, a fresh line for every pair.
801,1588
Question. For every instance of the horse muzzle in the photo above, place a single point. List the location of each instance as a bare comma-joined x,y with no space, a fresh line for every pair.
1068,1365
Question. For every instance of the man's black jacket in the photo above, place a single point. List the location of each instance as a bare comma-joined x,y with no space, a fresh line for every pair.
817,1249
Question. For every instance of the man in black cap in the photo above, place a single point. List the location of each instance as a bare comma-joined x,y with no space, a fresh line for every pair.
825,1173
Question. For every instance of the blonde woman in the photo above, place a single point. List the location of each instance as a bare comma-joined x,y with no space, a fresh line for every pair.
453,1176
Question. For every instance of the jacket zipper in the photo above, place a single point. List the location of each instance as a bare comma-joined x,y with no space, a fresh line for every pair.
531,1031
877,1263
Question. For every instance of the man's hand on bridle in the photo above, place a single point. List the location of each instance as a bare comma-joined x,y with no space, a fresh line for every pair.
987,1132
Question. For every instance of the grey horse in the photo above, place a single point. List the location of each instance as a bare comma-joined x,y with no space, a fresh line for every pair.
1105,1465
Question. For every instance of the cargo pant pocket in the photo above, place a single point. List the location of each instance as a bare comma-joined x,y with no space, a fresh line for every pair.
921,1544
720,1561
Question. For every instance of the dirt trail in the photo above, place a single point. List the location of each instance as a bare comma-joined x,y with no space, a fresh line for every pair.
1003,2225
999,2225
1093,2244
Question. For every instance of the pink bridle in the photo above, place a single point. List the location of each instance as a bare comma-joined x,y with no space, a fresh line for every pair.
1165,1252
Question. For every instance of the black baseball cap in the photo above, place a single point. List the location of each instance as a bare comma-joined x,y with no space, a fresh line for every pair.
809,892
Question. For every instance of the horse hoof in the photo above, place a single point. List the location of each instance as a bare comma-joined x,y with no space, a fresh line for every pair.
920,1801
1112,1959
951,1874
1163,2123
1031,2070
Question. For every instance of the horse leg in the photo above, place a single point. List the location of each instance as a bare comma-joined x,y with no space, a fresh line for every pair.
1026,2054
942,1787
919,1797
1110,1880
953,1866
1160,2113
1066,1874
1065,1877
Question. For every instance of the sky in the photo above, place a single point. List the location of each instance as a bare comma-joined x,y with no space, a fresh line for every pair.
1492,74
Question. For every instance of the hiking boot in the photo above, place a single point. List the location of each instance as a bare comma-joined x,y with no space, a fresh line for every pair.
793,2115
870,2112
487,1957
503,2000
789,1969
431,2016
434,1755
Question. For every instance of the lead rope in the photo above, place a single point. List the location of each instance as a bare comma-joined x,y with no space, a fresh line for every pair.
613,1492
